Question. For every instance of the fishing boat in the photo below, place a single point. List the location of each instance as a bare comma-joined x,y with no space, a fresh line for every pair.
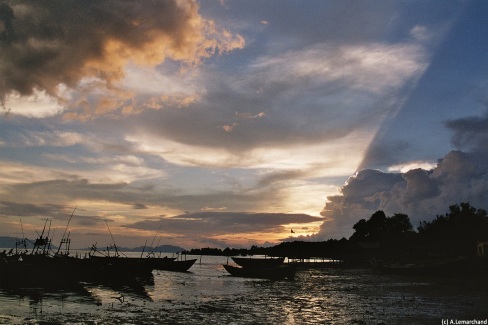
176,266
40,271
45,267
271,273
254,262
142,265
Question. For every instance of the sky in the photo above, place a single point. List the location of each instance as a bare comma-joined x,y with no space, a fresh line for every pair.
232,123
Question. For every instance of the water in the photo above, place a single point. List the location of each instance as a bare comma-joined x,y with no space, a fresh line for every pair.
207,295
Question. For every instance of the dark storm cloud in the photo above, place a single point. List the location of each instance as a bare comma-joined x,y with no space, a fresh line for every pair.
64,190
422,194
281,176
450,88
368,182
25,209
470,133
461,176
59,214
385,153
220,223
139,206
50,42
6,17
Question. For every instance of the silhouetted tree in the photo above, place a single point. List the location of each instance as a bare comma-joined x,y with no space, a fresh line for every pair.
371,230
379,227
456,232
391,235
399,223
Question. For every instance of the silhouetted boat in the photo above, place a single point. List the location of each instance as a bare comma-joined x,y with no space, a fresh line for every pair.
177,266
139,265
48,271
39,271
252,262
271,273
43,267
142,265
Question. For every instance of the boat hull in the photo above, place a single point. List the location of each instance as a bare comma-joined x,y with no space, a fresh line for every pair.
249,262
176,266
271,273
63,271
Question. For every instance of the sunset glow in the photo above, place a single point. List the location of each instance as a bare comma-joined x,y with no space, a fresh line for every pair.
229,123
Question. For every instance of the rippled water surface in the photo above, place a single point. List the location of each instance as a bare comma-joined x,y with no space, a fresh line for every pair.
207,295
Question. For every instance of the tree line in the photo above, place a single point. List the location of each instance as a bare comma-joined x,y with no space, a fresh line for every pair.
453,234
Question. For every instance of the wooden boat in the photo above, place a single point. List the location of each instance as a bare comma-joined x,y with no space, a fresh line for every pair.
271,273
156,263
177,266
144,265
60,270
40,271
251,262
42,268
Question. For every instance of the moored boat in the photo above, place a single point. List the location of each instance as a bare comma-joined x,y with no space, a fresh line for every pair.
176,266
39,271
144,264
253,262
271,273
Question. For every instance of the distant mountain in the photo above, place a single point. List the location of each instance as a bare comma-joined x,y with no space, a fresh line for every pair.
7,242
162,248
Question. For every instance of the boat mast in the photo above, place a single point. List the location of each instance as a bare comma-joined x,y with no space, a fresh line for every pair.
22,242
152,252
113,240
40,241
47,245
64,240
144,248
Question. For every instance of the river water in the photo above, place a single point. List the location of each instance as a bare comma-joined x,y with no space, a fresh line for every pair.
208,295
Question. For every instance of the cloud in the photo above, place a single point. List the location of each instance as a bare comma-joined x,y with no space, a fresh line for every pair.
38,105
470,133
61,191
43,138
339,157
27,209
285,106
372,67
50,43
205,226
460,176
160,196
173,126
422,194
30,217
279,176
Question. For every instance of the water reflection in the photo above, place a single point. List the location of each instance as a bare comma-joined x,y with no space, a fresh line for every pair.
208,294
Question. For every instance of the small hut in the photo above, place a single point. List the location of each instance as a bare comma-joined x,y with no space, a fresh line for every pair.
483,248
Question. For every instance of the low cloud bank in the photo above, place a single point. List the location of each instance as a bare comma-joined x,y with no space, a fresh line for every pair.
422,194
